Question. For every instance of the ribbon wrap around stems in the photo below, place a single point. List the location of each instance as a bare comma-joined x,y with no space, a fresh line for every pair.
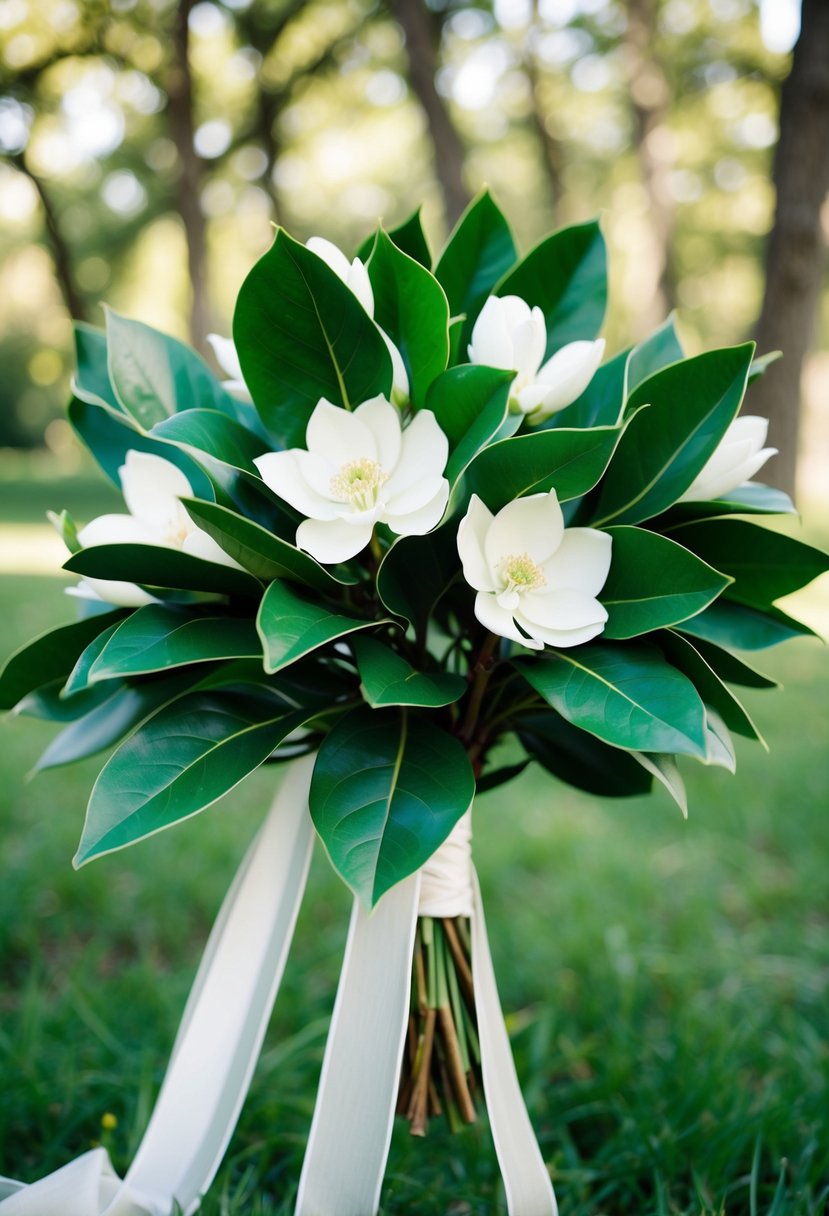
224,1023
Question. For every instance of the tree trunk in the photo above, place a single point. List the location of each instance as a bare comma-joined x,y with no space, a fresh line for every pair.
416,22
61,256
795,250
551,151
189,184
649,98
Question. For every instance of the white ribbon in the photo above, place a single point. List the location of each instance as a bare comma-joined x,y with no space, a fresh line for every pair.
224,1023
217,1045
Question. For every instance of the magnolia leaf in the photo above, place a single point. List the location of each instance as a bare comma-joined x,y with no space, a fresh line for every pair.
388,679
719,746
666,771
434,557
410,237
66,529
78,678
601,403
751,498
731,669
580,759
48,703
470,405
180,761
91,380
410,306
762,363
158,566
654,582
692,403
659,350
208,431
627,695
301,334
291,626
49,657
387,790
566,277
726,623
478,253
689,660
157,637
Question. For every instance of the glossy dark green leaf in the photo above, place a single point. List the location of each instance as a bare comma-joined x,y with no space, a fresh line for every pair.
470,405
410,237
259,551
666,770
180,761
154,375
47,703
154,566
568,461
66,529
434,557
49,657
654,582
410,306
580,759
752,498
157,637
78,679
688,659
214,433
731,669
627,695
91,380
601,403
109,436
728,624
762,363
388,679
658,350
479,252
387,790
125,706
492,778
566,277
291,626
764,564
301,334
691,405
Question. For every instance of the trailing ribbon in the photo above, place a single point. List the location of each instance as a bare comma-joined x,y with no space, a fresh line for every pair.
224,1023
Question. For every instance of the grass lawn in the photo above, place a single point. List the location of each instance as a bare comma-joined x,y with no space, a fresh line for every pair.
667,982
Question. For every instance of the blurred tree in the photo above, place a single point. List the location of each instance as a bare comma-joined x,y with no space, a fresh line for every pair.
796,246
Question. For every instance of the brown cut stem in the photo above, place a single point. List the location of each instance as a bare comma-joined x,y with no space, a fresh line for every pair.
417,1114
454,1065
461,962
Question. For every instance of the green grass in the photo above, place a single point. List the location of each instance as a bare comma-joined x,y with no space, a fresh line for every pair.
666,982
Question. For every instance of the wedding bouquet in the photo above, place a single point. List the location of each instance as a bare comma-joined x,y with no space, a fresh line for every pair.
420,520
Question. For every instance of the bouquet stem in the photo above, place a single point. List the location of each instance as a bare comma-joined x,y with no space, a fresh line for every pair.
441,1066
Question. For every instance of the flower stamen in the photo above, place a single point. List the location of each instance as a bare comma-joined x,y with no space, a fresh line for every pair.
358,482
519,573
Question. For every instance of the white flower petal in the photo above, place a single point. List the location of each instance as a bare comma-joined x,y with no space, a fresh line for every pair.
568,373
416,523
114,530
152,487
412,498
199,544
531,525
471,534
111,591
338,435
424,451
497,620
360,284
491,341
737,457
561,611
282,472
383,420
529,340
226,356
353,274
400,379
332,541
580,563
561,638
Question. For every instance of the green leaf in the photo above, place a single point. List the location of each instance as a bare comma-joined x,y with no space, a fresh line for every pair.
389,680
387,790
91,381
434,557
470,404
601,403
291,626
78,679
654,582
691,405
764,564
156,566
719,746
752,498
478,253
762,363
214,433
301,334
154,375
410,237
578,758
410,306
658,350
629,696
49,657
259,551
47,703
569,461
731,669
109,436
155,638
66,529
566,277
689,660
666,771
180,761
728,624
106,723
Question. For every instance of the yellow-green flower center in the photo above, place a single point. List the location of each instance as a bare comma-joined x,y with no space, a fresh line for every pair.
358,482
521,573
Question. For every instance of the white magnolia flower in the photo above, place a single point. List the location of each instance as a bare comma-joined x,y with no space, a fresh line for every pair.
152,488
228,360
510,334
360,469
736,458
355,277
531,571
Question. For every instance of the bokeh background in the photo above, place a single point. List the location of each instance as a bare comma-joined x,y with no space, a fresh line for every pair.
668,982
